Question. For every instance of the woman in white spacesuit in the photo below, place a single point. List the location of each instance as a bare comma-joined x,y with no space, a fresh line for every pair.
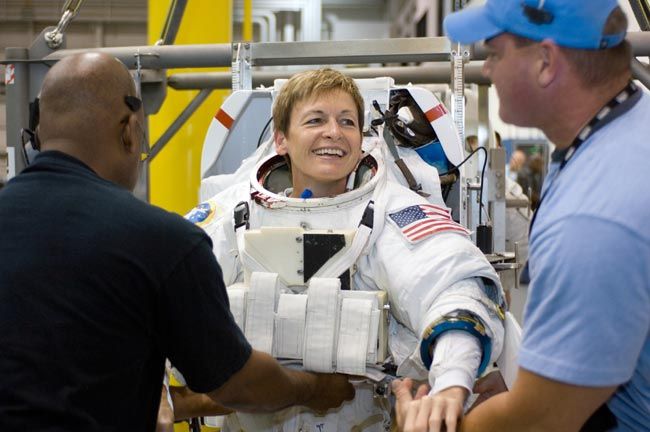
320,221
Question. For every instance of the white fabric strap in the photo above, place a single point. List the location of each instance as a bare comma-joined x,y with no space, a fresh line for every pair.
237,299
260,311
373,335
322,323
290,326
231,236
379,220
374,318
250,263
336,266
353,336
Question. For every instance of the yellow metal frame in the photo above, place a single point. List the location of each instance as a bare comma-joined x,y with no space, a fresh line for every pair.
174,175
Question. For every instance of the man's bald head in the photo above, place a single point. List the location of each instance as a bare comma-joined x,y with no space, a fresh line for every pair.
83,113
83,95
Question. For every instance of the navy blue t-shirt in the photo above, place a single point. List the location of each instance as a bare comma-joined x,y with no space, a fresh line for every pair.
97,288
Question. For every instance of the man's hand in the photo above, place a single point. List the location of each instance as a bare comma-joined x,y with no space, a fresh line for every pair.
188,404
330,391
488,386
263,385
435,413
165,420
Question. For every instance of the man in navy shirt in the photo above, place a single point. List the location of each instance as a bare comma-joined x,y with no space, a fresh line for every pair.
98,288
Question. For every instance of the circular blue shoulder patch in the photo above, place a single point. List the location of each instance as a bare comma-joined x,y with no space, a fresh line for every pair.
200,213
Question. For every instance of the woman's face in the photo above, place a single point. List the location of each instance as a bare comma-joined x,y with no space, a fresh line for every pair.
323,142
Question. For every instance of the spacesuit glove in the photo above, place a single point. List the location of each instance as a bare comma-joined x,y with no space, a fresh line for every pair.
328,391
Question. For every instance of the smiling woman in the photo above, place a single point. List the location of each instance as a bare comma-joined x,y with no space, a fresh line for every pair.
319,118
323,143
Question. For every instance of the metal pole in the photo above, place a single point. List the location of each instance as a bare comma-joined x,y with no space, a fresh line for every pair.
641,72
179,122
161,56
459,56
303,53
362,51
172,22
17,107
279,53
640,42
437,73
248,21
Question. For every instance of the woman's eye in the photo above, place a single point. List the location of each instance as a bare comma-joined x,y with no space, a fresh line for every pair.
348,122
313,121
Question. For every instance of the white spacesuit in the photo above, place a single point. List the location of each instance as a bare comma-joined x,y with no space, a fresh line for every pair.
441,290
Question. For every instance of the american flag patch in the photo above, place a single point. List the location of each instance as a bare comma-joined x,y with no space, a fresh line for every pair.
420,221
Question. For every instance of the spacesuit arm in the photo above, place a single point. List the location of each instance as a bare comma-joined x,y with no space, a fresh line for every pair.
445,275
465,333
456,359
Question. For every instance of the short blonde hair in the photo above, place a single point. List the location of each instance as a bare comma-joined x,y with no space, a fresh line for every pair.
304,85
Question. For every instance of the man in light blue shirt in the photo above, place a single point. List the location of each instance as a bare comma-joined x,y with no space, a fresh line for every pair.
585,357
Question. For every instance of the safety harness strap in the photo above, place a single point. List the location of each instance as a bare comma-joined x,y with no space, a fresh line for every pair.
336,266
260,311
356,316
290,323
323,309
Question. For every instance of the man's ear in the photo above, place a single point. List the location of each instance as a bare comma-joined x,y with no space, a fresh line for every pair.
280,142
37,140
548,62
130,145
126,136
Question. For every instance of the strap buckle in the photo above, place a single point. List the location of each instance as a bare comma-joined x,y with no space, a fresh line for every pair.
241,215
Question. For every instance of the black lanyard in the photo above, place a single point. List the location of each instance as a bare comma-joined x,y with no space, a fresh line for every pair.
617,106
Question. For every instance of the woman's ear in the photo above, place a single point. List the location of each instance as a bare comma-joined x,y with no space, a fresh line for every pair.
280,142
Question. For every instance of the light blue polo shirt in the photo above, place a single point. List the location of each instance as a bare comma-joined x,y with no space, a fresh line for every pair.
587,320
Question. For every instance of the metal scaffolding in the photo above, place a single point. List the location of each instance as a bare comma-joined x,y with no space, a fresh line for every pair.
29,66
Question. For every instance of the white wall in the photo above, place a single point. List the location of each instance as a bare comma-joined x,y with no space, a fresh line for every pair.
351,23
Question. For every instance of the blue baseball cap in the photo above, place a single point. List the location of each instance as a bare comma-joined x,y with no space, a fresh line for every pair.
569,23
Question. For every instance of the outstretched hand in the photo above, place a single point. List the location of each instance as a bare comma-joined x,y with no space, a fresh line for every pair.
422,413
330,391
